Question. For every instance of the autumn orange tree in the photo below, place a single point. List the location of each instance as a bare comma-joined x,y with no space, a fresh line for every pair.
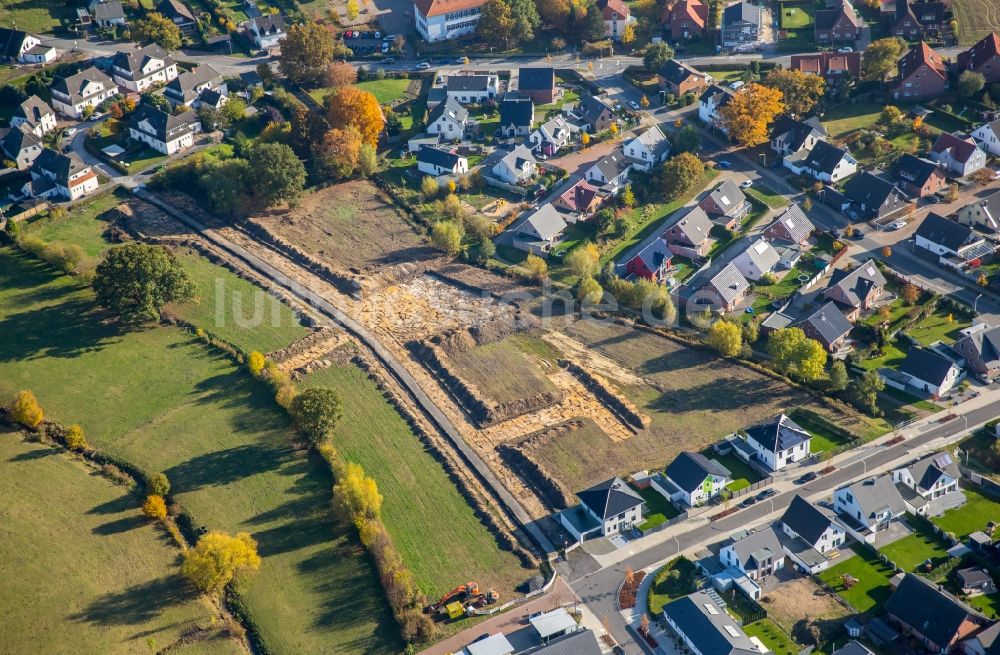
801,90
748,116
349,106
337,155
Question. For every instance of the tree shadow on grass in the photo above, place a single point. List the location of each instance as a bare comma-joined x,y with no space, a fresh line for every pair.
226,466
33,454
124,524
123,503
719,395
21,271
303,520
66,330
137,604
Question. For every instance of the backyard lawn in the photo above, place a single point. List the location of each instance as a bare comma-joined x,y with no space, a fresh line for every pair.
892,356
82,226
847,118
743,474
658,509
979,509
988,604
913,550
36,16
387,90
767,196
666,587
796,16
872,587
773,637
942,326
824,434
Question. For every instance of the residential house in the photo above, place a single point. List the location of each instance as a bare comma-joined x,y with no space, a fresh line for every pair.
679,79
778,442
975,581
757,260
912,21
874,196
707,629
515,167
650,259
854,647
251,80
927,370
869,505
858,289
71,96
756,554
541,231
726,205
438,161
140,69
163,132
23,48
467,89
724,290
415,143
837,24
982,213
616,16
35,115
441,20
56,176
592,111
830,65
187,88
827,325
959,155
495,644
516,116
917,176
697,479
107,13
575,642
984,642
792,225
614,504
179,14
922,74
449,119
691,235
21,146
551,136
741,24
647,149
790,137
987,136
930,477
927,613
266,31
945,237
983,58
810,528
686,20
611,172
581,199
825,162
979,345
539,84
714,98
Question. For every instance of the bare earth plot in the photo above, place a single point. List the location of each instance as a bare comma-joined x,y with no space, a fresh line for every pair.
801,600
350,225
502,371
976,19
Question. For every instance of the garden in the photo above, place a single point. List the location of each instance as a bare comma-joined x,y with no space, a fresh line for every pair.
675,580
913,550
979,509
862,579
659,510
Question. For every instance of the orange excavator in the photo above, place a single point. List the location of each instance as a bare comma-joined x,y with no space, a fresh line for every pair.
461,592
455,601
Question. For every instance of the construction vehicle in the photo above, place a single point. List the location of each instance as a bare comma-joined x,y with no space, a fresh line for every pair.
454,610
459,593
482,600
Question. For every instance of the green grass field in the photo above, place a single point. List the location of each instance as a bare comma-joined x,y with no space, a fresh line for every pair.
988,604
979,509
823,436
910,552
658,509
942,326
385,91
666,588
435,529
37,16
84,570
743,475
767,196
83,226
872,588
160,399
847,118
773,637
796,16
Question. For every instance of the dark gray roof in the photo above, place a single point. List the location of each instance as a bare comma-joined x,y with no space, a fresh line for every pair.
875,494
945,232
269,24
853,648
18,139
729,283
675,72
581,642
914,170
517,111
108,10
185,85
824,157
10,42
805,519
741,12
826,18
468,82
74,85
165,126
795,131
437,157
857,284
780,433
60,165
926,365
728,196
988,639
986,342
718,95
454,110
752,548
926,471
536,79
828,322
708,626
32,110
689,470
250,78
612,165
610,498
591,108
873,190
175,9
973,576
133,59
695,225
930,610
795,222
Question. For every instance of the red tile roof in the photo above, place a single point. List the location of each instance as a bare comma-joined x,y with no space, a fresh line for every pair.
961,148
693,10
616,6
919,56
980,53
821,63
430,8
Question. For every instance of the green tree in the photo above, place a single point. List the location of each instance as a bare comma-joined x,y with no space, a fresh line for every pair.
136,280
156,28
838,376
225,185
486,250
159,484
970,83
589,291
796,354
591,28
526,19
429,187
13,230
680,174
583,260
447,235
217,558
367,160
686,139
276,173
306,51
864,391
726,338
537,267
234,110
878,61
656,55
497,23
316,413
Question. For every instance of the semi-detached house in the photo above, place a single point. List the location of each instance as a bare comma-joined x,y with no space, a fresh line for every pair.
139,69
163,132
71,96
58,176
440,20
922,74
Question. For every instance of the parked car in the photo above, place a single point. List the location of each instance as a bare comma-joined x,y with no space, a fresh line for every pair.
389,60
808,477
767,493
422,66
723,163
897,225
746,184
70,131
633,105
845,49
857,235
747,503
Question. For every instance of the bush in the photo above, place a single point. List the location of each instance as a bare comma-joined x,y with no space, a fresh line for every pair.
316,413
75,439
256,362
158,484
26,410
155,508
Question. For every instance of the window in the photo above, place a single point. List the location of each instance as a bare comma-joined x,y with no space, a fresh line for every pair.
621,516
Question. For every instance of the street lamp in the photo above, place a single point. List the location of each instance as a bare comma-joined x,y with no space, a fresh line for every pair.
975,303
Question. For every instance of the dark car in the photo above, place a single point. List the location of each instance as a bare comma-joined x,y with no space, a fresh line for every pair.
747,503
857,235
767,493
808,477
724,163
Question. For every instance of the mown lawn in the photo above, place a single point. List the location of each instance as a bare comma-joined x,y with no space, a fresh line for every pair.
988,604
872,587
978,510
160,399
767,196
847,118
911,551
743,475
37,16
666,587
658,509
82,226
773,637
942,326
385,91
823,436
82,565
434,527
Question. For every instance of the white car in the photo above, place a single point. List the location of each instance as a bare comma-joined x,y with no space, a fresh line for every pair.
633,104
422,66
70,131
845,49
897,225
746,184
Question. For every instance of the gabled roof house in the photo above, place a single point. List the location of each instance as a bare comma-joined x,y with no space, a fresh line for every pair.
696,478
778,442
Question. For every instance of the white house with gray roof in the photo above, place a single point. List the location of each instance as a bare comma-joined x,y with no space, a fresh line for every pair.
266,31
71,96
36,115
987,136
695,479
757,554
816,529
648,149
186,89
551,136
437,162
449,119
467,88
608,508
870,505
515,167
982,213
610,172
757,260
139,69
931,477
163,132
541,232
778,442
701,621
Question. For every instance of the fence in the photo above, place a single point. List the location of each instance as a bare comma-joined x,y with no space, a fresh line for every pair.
500,184
37,208
760,484
666,524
